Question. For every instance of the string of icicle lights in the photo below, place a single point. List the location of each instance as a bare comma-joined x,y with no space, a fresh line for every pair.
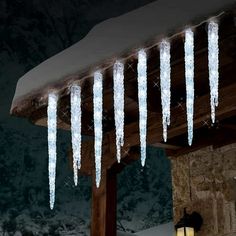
118,74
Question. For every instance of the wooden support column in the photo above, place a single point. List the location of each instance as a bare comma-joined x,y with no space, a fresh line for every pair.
103,221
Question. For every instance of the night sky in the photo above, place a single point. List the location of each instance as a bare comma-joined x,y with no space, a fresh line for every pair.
31,32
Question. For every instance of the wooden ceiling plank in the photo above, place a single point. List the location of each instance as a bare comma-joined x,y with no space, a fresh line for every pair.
227,107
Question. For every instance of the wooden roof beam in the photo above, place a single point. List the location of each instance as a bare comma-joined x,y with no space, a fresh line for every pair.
227,108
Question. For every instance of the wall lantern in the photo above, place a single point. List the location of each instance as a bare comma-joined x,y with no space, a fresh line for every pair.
189,224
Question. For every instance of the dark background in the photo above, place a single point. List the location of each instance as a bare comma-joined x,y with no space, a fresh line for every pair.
30,32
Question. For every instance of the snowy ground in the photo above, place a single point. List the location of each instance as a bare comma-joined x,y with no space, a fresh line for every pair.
161,230
124,234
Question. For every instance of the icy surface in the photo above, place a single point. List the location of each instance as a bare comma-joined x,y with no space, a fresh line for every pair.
114,36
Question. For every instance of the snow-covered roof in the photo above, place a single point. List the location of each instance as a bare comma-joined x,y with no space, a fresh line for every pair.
116,36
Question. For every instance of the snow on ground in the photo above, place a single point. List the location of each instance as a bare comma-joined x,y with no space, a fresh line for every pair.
116,35
161,230
124,234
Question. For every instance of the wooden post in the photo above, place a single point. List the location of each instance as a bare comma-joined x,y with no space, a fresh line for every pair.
104,205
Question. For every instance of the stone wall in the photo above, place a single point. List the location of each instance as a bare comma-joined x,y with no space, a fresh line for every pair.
205,181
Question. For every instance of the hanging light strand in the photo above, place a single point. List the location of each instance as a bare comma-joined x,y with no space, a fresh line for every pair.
142,98
189,80
213,64
52,139
165,84
118,77
76,129
118,73
97,116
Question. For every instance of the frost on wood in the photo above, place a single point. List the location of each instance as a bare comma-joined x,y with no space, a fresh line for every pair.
165,84
142,99
189,80
52,143
213,64
76,128
97,116
118,78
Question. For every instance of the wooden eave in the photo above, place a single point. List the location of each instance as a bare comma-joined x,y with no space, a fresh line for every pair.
34,108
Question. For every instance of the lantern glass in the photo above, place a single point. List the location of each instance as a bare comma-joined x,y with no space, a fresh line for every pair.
185,231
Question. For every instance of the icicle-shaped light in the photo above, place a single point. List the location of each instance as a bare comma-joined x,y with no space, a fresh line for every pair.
118,77
213,64
97,116
75,98
52,139
189,75
142,98
165,84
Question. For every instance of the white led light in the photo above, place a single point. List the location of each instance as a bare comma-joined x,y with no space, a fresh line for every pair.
52,149
165,84
118,78
142,98
189,80
75,99
213,64
97,116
